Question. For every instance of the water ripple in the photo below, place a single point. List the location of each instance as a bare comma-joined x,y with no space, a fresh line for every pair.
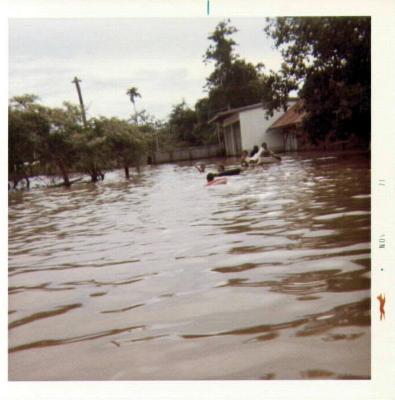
161,277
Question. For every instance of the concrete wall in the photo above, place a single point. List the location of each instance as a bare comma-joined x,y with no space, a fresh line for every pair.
254,127
188,153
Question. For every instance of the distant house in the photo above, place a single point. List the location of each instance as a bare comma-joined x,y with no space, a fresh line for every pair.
242,128
289,127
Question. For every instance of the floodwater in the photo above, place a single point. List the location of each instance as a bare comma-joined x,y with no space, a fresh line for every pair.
267,277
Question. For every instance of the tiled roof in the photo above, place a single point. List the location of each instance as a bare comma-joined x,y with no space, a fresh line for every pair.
292,116
226,113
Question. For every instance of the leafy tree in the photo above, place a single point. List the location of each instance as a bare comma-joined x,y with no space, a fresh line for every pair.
275,89
234,82
204,132
145,121
125,142
27,122
133,93
38,133
57,138
221,53
93,152
151,128
182,122
58,145
25,102
328,60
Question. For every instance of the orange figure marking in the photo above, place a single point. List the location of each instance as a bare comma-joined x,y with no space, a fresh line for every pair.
381,299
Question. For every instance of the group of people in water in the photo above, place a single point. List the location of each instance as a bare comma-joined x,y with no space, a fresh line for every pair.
257,156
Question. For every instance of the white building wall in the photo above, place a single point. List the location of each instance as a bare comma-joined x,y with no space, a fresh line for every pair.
254,127
232,139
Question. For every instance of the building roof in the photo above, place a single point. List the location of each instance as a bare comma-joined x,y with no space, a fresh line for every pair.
292,116
224,114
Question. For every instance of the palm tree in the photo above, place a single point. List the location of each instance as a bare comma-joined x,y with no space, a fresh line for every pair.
133,93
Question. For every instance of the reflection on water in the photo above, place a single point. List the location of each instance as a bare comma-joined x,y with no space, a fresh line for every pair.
267,277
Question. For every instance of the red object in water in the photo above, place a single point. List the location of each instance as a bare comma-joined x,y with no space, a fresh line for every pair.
217,181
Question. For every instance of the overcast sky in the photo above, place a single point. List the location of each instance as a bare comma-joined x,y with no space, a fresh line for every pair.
161,57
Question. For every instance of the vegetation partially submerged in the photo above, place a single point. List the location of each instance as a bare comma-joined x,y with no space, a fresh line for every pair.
326,63
44,140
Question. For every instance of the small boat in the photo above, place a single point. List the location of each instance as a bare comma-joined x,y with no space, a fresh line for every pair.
268,160
217,181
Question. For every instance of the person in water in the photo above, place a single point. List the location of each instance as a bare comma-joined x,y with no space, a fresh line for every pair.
200,167
264,152
254,150
244,159
253,158
212,180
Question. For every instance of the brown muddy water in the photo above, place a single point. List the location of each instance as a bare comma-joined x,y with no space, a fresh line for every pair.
267,277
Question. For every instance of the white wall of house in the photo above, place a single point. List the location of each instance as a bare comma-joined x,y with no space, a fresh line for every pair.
232,138
254,125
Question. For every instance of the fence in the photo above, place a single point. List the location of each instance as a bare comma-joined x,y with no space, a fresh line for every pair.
188,153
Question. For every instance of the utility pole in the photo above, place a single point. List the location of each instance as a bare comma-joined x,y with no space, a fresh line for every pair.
77,81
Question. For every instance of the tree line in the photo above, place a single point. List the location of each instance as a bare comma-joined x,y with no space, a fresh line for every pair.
45,140
326,62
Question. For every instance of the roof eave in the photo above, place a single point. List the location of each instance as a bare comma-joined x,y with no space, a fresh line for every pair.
228,113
